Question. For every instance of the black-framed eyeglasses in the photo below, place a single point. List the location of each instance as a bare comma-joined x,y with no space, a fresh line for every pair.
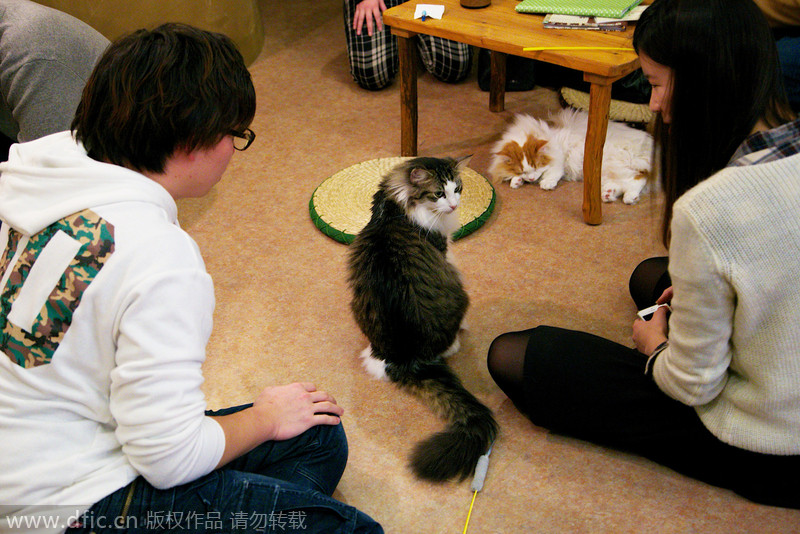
242,140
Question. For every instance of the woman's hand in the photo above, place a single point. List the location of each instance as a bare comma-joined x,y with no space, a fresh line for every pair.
666,296
369,11
648,335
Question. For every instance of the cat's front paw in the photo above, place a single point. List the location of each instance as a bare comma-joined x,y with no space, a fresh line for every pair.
631,197
610,195
452,349
550,178
375,368
548,182
516,182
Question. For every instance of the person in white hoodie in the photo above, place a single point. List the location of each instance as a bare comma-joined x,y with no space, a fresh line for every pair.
106,308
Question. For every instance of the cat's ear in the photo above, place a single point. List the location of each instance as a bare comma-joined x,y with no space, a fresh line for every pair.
511,151
418,175
463,161
533,145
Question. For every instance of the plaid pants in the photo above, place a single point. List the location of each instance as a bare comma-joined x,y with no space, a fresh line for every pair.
374,60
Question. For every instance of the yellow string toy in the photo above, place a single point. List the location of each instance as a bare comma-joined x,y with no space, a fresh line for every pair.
543,48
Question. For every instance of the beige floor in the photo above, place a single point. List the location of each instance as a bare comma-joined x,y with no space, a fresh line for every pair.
282,302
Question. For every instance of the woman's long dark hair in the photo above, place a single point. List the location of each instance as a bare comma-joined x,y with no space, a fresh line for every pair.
725,79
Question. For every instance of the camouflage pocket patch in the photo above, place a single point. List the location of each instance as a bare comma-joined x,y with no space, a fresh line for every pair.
38,301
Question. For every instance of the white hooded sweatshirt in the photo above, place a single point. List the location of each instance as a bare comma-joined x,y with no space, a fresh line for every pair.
105,312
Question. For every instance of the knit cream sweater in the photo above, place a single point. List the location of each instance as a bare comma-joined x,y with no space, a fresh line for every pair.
734,331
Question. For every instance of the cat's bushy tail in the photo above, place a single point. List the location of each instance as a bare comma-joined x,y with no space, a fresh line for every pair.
471,428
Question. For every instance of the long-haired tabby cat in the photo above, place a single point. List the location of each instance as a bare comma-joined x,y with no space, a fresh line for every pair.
533,150
408,299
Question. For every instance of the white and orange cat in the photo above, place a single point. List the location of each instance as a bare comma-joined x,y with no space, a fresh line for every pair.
545,151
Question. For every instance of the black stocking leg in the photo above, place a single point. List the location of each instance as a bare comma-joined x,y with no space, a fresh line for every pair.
648,281
506,363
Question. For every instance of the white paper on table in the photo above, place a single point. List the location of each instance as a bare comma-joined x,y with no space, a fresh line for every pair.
433,11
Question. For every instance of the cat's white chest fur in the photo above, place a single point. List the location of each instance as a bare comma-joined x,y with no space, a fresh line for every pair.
441,215
446,223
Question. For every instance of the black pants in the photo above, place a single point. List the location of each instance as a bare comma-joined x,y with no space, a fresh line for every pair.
588,387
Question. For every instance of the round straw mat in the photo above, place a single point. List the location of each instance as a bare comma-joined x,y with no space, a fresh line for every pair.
619,110
342,205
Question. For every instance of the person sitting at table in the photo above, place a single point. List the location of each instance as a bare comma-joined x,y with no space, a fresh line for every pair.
372,49
712,388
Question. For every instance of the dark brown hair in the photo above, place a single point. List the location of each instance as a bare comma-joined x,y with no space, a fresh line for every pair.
725,78
155,91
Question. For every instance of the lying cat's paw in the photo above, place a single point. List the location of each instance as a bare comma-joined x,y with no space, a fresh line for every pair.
548,182
516,182
610,195
630,197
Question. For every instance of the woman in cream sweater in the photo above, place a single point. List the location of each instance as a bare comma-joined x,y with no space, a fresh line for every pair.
712,387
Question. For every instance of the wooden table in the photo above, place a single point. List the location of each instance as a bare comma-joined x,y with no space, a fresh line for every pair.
504,31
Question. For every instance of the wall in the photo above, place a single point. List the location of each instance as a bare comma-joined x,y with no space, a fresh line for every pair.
239,19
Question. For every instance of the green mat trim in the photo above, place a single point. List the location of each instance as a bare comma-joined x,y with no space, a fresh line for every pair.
339,235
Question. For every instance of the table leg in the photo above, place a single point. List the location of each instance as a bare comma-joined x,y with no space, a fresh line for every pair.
497,84
599,105
408,95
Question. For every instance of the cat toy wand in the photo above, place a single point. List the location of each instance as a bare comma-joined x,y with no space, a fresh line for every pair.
477,482
575,48
544,48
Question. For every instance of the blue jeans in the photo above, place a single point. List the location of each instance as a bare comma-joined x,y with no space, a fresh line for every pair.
280,486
